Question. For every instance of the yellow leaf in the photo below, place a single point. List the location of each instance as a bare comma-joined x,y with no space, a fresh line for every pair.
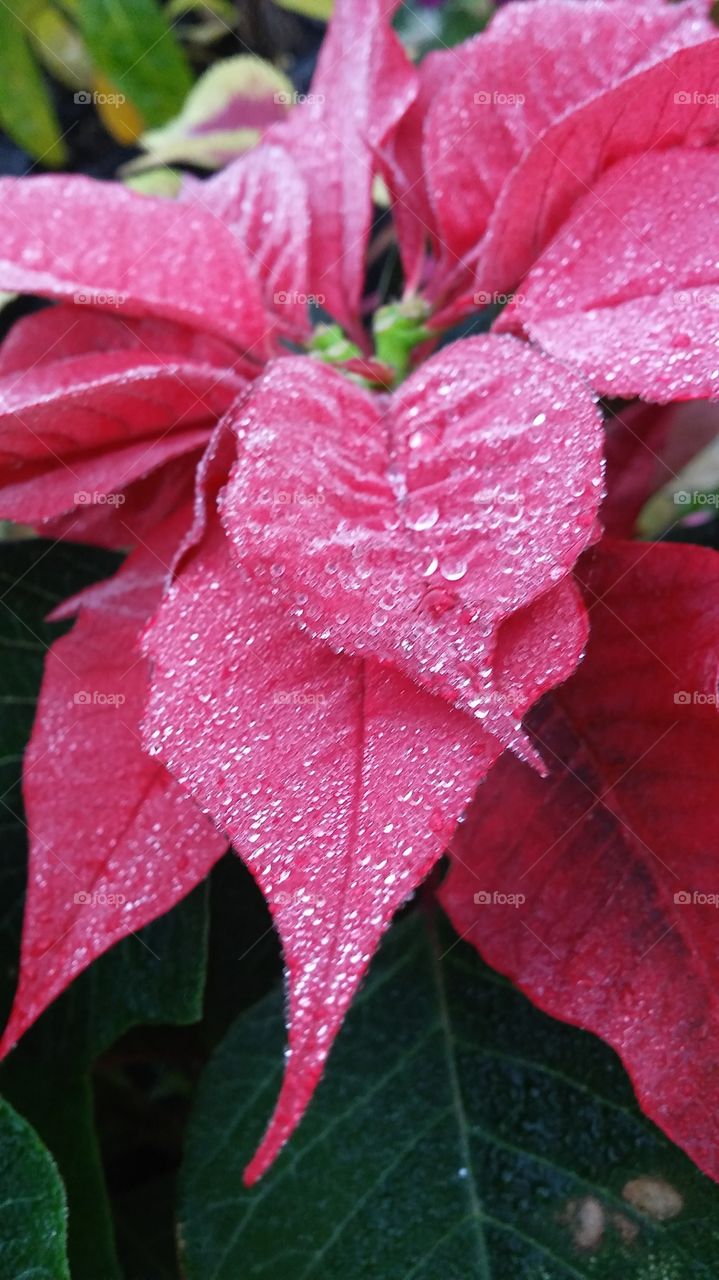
119,116
320,9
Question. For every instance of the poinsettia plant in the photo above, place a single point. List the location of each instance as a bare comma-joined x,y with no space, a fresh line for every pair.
382,600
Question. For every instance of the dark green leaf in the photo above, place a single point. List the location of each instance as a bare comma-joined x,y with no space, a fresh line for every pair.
244,953
146,1248
32,1205
34,576
156,976
459,1134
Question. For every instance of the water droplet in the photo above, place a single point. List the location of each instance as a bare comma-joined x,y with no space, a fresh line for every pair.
421,515
453,569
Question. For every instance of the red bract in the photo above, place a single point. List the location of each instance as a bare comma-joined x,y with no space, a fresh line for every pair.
264,201
486,115
424,521
401,158
639,320
96,396
361,89
505,89
98,408
648,112
114,841
336,778
375,587
105,408
75,430
614,853
103,246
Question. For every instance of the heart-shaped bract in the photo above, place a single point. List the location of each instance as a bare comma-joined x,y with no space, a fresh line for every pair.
409,528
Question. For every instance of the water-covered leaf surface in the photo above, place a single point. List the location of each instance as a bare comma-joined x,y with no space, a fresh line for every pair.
458,1133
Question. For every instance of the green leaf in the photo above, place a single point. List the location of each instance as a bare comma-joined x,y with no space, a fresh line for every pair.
32,1205
156,976
213,125
244,959
57,44
132,43
156,182
398,327
146,1248
26,112
423,27
459,1133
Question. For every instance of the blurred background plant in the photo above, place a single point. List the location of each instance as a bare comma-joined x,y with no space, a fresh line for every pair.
94,85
